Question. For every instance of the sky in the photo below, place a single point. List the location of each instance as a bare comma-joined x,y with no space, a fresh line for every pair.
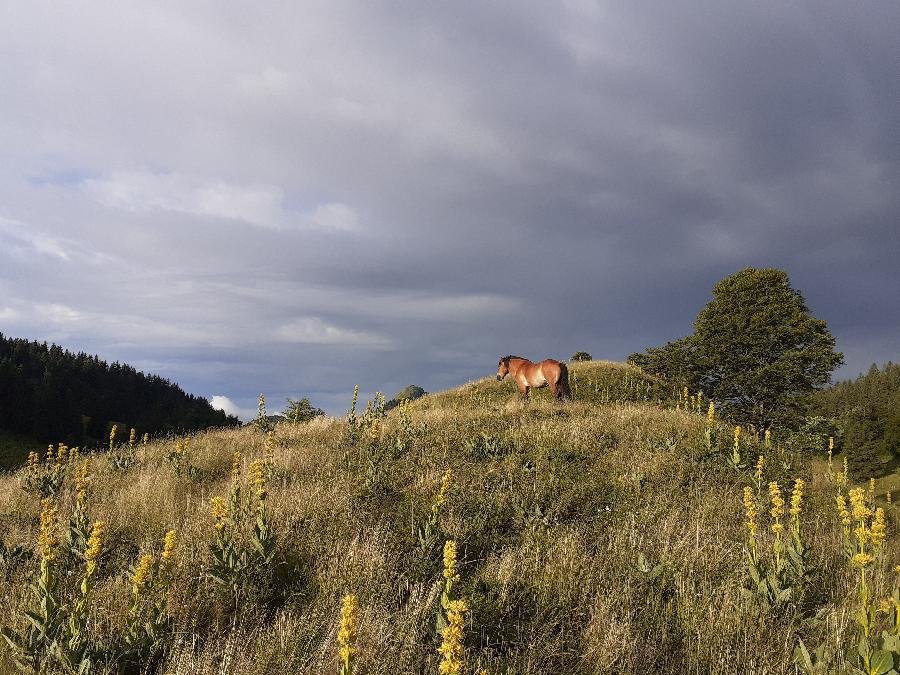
291,198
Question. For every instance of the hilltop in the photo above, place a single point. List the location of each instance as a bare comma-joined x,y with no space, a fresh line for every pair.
603,535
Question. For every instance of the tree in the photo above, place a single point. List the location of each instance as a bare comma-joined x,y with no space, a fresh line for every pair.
581,356
301,411
756,350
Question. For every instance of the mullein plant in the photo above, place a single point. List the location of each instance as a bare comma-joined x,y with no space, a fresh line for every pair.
121,456
73,649
876,654
735,459
45,479
263,539
148,617
347,634
33,649
450,576
451,650
427,531
79,520
829,470
770,579
711,427
237,549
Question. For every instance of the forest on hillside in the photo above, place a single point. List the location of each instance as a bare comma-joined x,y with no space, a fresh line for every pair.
867,411
54,395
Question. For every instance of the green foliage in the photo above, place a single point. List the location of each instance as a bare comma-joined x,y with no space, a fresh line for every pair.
581,356
756,350
301,411
867,410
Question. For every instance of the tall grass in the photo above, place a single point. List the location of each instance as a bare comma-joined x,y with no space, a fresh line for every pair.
605,535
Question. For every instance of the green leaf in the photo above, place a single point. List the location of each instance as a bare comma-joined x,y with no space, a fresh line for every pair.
882,661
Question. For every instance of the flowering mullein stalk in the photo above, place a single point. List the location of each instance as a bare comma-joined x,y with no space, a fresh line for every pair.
877,533
736,448
776,513
237,465
263,541
112,436
347,634
685,396
760,463
750,513
830,472
699,402
451,649
796,509
132,437
845,523
79,521
710,426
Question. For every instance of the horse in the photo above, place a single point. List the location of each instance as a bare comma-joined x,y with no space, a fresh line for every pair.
527,374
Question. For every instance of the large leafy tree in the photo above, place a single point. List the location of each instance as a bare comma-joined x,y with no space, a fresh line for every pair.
756,349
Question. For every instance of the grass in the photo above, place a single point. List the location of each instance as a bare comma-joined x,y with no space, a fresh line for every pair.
597,536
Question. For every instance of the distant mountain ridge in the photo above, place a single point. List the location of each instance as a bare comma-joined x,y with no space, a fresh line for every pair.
53,395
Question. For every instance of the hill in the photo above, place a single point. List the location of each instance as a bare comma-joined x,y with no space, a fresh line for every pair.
50,394
603,535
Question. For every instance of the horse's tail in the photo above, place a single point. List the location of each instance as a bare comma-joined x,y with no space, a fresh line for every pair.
562,386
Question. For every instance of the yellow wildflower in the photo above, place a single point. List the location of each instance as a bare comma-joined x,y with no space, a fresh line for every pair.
219,512
858,506
169,542
112,436
797,498
347,631
62,454
145,439
450,560
842,510
132,437
142,573
375,430
445,487
878,530
711,414
256,478
862,560
759,469
768,438
47,536
33,459
94,546
777,510
451,648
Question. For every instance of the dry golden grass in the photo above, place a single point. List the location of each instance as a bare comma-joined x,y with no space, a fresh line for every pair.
551,506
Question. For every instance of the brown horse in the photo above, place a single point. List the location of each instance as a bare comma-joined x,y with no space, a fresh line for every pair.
527,374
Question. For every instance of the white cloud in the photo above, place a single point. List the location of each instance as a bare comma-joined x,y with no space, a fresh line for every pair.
143,191
313,330
8,314
227,406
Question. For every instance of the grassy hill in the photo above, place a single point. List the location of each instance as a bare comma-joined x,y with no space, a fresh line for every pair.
603,535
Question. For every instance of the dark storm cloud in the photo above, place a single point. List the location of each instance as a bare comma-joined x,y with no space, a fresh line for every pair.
293,199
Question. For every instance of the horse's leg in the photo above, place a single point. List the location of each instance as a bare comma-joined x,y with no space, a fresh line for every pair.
554,389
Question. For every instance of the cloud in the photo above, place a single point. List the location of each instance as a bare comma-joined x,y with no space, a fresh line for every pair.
228,406
313,330
142,191
351,192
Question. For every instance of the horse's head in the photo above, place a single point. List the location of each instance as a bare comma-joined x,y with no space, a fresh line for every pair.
502,368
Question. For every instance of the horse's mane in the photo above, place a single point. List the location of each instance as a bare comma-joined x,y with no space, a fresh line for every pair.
511,356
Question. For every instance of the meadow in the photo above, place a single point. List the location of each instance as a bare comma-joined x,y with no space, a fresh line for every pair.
625,531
